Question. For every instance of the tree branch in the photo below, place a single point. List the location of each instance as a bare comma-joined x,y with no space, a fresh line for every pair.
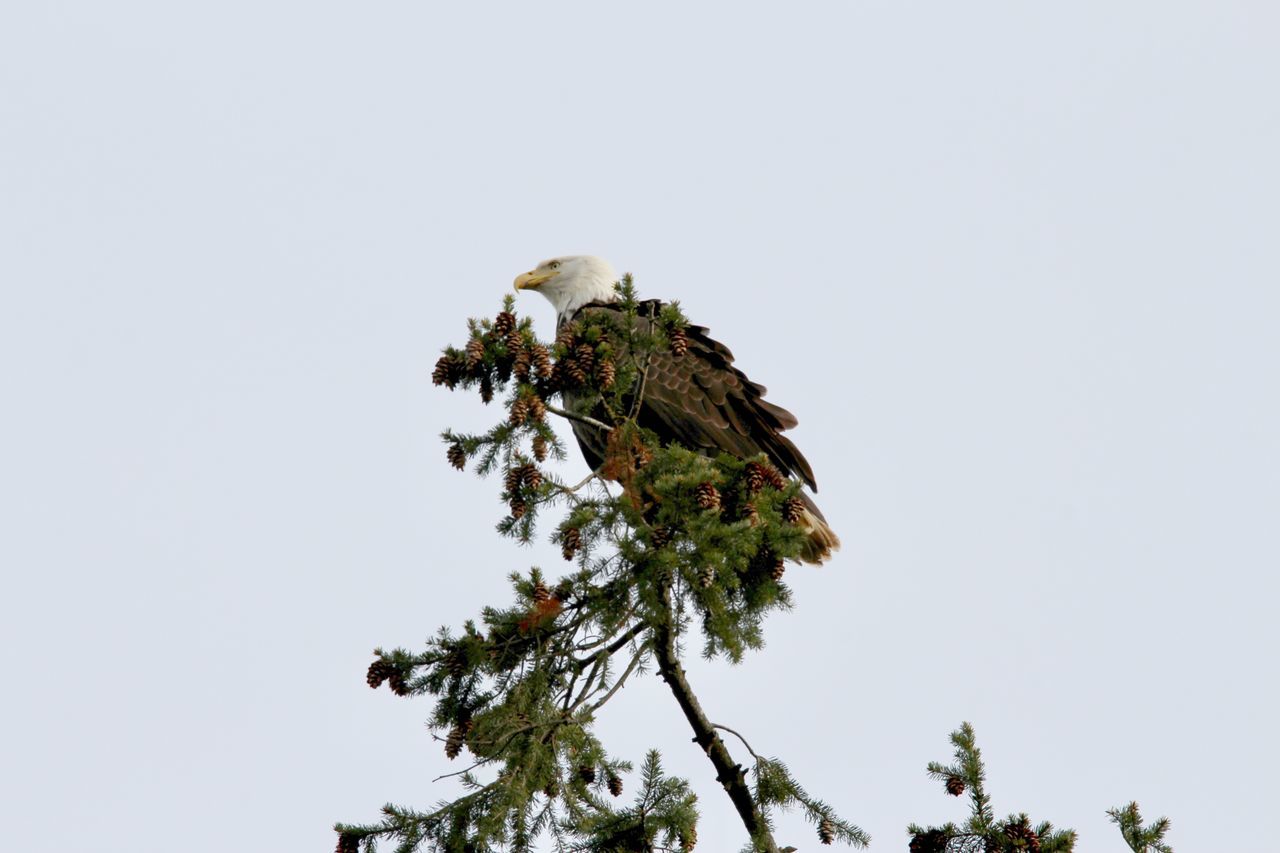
728,773
582,419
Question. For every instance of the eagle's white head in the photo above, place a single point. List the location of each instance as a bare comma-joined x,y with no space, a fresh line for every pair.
570,282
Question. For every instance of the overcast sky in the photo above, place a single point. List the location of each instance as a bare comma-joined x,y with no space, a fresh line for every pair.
1014,265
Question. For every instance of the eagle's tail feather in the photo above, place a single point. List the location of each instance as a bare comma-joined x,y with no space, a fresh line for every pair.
822,539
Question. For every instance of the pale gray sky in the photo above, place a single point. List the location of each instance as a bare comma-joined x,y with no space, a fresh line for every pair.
1014,265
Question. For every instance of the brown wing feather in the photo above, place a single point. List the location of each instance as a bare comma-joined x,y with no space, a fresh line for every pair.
701,400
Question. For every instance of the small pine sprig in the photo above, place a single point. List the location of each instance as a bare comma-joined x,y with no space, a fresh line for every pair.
1141,839
775,787
1015,834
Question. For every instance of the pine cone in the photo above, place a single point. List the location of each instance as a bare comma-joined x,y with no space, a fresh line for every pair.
826,831
608,375
397,683
793,510
515,343
587,774
521,364
1022,836
519,412
512,479
447,372
453,743
486,389
933,841
457,456
707,496
475,354
774,477
574,371
347,844
679,342
754,477
541,593
567,336
778,570
615,785
570,542
539,448
379,671
530,475
706,577
955,786
519,506
541,359
585,355
504,323
689,840
537,410
660,536
750,513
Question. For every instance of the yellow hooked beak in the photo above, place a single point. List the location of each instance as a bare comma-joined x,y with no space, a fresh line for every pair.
533,279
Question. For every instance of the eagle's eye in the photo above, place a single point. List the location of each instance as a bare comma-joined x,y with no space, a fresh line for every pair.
555,265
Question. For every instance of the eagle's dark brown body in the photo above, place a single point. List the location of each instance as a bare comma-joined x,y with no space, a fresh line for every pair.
702,401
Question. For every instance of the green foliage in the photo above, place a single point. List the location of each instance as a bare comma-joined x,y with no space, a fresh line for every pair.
519,690
982,832
1141,839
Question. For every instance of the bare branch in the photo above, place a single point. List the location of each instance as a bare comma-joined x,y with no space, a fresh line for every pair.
582,419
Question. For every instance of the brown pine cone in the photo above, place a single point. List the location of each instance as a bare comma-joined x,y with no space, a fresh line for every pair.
521,365
486,389
347,844
587,774
457,456
754,477
541,359
519,506
453,743
778,570
396,681
933,841
530,475
750,513
519,412
504,323
570,542
1022,836
585,355
512,479
706,577
539,448
707,496
475,354
689,840
608,375
379,671
826,831
574,372
660,536
448,371
567,336
793,510
615,785
541,593
679,342
955,786
537,410
456,663
774,477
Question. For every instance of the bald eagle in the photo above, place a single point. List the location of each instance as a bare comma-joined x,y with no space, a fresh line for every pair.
699,399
